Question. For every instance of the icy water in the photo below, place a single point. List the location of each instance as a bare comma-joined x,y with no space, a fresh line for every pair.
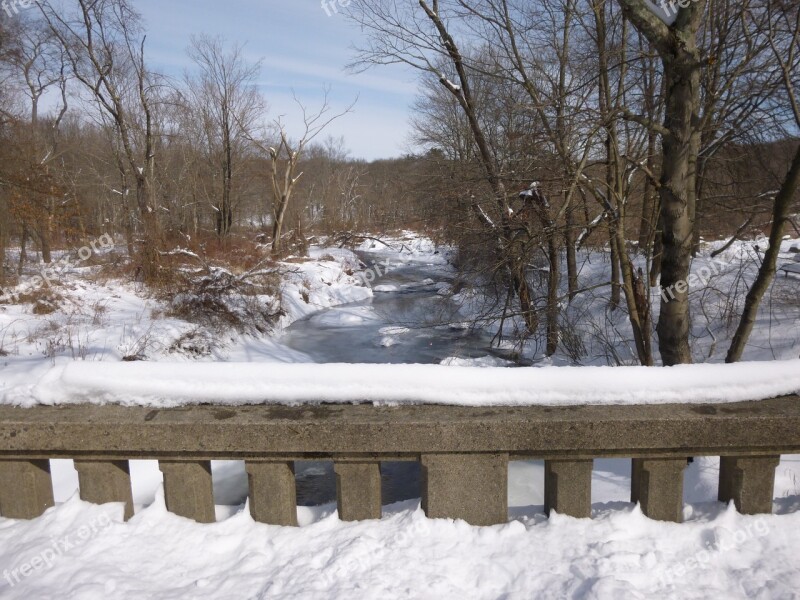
407,321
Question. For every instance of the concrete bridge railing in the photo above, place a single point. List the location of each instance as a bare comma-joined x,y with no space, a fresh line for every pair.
464,453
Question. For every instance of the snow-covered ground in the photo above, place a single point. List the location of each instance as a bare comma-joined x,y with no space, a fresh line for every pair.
82,551
78,550
99,319
595,333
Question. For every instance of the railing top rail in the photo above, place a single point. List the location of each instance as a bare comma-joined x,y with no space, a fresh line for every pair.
745,428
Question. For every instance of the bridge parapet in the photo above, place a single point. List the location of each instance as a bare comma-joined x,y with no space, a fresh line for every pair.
464,453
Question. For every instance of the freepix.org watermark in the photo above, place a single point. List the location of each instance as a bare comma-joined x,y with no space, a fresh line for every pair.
671,7
699,279
331,7
13,7
58,548
701,560
55,269
374,272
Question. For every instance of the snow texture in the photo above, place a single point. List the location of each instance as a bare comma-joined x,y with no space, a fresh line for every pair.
161,384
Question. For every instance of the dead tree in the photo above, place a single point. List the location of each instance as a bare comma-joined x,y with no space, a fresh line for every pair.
285,157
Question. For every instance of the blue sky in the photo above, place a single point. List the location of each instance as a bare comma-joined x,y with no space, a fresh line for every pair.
303,50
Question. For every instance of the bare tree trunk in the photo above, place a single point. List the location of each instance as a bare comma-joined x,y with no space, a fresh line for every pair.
677,204
127,218
677,46
128,226
572,261
635,298
43,233
561,133
655,261
553,278
649,213
780,217
23,244
698,204
277,225
617,249
527,307
4,225
543,210
149,250
613,244
225,210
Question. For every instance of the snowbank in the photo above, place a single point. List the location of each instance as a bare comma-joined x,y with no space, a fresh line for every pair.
328,280
620,554
409,247
160,384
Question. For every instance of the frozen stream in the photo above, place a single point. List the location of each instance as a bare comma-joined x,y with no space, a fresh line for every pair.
407,321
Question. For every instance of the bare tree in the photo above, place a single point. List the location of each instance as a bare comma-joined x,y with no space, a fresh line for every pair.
620,168
676,44
41,65
225,101
105,48
285,157
784,40
421,38
536,41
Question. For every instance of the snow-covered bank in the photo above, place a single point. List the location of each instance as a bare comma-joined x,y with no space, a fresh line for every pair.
159,384
329,279
97,319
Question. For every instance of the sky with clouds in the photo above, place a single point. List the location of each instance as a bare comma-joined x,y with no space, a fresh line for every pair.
304,49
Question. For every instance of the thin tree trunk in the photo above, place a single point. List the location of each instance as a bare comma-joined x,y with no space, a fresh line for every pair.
615,262
635,299
572,261
780,217
542,207
23,243
44,241
655,261
698,205
149,251
649,215
554,256
4,223
277,226
225,210
128,225
522,290
562,135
